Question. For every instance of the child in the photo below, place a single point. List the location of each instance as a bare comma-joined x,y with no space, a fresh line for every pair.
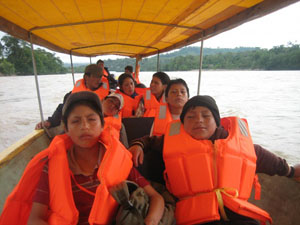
68,182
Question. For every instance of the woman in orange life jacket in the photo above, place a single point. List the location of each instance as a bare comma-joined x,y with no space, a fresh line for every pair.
112,105
176,94
154,96
77,168
131,98
209,164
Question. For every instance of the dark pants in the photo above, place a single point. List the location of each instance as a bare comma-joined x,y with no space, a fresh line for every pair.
234,219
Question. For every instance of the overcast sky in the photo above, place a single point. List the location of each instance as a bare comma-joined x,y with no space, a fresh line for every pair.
278,28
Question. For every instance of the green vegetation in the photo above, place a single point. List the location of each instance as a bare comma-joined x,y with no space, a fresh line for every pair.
277,58
16,59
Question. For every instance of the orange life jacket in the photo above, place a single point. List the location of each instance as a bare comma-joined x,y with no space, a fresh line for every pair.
102,91
151,104
130,104
105,82
114,168
205,177
136,77
105,73
161,120
115,122
140,91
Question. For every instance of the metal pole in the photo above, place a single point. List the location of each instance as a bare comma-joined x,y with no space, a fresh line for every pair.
200,66
158,66
72,68
36,80
90,60
136,67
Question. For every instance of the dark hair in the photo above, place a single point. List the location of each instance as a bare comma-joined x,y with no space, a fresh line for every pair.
140,85
130,68
122,77
164,78
177,81
99,61
202,100
87,103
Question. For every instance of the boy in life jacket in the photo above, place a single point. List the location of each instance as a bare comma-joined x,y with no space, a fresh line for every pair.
92,81
68,182
176,94
107,77
112,106
209,164
154,96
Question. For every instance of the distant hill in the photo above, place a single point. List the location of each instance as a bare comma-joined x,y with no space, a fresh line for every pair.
206,51
252,58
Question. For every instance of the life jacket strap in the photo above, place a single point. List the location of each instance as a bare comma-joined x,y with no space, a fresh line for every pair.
219,192
81,187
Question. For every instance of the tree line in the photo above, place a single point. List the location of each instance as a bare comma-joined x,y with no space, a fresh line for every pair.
15,59
277,58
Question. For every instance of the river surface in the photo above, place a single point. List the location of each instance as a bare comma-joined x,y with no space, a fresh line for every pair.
270,100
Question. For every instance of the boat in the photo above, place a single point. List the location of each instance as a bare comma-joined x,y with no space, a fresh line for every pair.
135,29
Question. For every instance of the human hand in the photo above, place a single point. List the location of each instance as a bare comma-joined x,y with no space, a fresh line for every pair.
137,154
150,221
47,124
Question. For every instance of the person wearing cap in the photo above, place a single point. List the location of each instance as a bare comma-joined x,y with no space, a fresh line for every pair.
126,85
92,81
68,182
112,105
209,165
176,95
154,96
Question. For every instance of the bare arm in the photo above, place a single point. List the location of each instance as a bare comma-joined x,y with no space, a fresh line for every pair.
38,215
156,209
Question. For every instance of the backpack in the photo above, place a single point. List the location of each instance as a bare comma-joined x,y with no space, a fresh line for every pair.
134,205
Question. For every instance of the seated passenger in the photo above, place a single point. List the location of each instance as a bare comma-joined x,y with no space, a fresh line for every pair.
92,81
107,77
131,98
68,182
112,105
176,94
154,96
209,164
129,70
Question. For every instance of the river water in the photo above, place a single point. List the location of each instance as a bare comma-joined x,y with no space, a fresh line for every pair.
268,99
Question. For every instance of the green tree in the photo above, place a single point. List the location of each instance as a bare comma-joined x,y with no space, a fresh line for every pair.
18,53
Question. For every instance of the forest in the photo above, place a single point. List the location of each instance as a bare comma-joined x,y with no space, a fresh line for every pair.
277,58
15,59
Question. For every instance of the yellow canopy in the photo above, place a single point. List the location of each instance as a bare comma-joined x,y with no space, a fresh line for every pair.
135,28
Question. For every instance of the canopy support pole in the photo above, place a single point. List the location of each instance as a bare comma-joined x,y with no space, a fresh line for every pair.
72,67
90,60
137,68
200,66
157,66
36,79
